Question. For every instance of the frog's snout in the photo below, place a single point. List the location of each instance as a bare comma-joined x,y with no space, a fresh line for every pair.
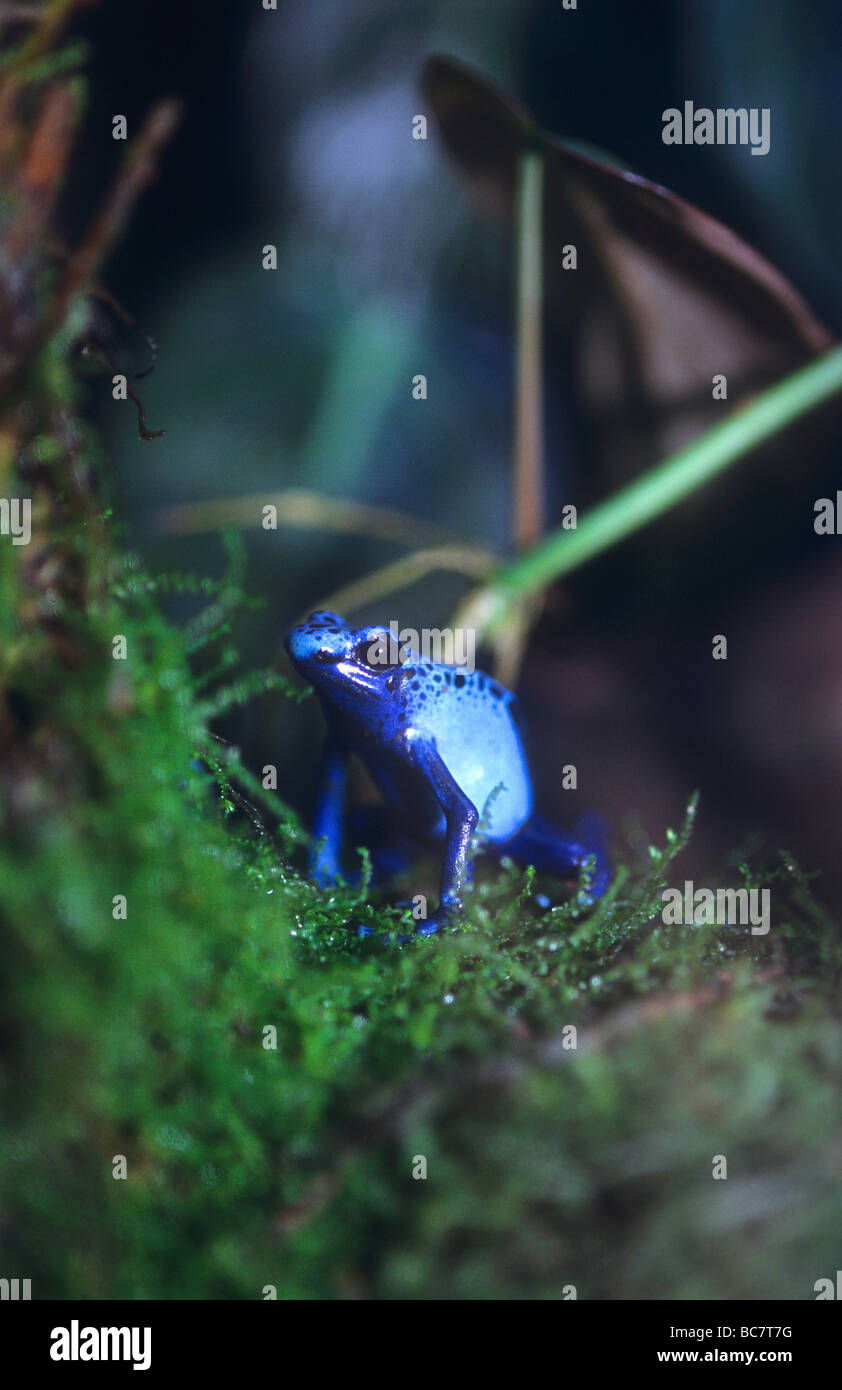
289,643
321,639
301,645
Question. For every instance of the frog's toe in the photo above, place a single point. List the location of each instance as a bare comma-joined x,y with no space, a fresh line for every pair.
444,916
428,928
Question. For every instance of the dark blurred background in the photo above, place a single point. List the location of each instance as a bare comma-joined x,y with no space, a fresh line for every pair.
297,132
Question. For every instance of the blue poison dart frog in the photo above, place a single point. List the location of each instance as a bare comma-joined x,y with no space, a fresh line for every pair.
443,747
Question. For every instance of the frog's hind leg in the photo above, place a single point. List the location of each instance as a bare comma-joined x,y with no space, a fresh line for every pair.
554,852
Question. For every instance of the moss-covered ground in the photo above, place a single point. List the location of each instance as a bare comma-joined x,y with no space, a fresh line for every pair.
285,1158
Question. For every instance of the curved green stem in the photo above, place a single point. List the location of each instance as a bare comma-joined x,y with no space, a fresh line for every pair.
653,492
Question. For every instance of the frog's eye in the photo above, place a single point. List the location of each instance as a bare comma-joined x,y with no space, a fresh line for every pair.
381,653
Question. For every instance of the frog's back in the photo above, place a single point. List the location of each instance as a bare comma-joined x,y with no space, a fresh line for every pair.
471,718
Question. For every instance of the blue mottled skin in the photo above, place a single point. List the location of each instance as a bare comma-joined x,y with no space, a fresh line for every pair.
443,747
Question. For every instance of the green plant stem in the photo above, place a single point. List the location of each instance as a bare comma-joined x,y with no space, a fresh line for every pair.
662,487
529,396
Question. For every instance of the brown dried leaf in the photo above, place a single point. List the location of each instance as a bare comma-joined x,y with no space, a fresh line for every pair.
664,296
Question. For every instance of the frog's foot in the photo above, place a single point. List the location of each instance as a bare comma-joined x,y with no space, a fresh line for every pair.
445,915
552,852
432,925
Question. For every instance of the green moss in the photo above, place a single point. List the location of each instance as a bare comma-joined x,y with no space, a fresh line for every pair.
291,1167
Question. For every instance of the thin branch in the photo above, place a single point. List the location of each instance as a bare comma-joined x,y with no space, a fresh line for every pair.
529,383
301,508
137,172
100,355
51,20
467,560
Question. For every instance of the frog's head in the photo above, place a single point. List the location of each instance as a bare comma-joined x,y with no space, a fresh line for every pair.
341,662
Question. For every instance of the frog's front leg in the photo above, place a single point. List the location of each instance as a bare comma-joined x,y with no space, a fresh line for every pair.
461,817
325,865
